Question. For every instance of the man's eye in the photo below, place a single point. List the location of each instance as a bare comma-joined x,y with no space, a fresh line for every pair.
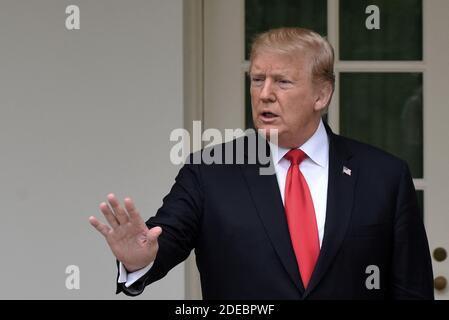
285,84
256,81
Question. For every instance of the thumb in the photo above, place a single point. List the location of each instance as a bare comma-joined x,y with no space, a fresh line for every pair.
154,233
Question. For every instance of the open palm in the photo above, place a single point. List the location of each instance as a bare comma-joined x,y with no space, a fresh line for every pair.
130,240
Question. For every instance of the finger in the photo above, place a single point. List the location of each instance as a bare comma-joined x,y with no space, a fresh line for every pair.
102,228
112,220
119,212
154,233
134,215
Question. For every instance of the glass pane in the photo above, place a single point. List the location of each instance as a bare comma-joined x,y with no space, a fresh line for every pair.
385,110
420,196
399,37
262,15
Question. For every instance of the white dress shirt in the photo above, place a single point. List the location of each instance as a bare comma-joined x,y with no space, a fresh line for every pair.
130,278
315,169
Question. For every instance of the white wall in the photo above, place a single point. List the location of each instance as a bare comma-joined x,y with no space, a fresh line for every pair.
83,113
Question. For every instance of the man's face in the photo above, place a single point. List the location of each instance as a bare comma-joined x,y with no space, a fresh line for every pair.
283,97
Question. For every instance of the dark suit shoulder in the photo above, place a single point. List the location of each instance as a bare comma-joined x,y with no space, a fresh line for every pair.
369,154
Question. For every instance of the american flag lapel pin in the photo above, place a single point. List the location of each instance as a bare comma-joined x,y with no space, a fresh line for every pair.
346,171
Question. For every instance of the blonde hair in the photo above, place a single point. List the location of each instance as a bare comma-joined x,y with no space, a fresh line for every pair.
294,40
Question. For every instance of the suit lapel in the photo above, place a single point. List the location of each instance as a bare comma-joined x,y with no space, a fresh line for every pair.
340,196
267,199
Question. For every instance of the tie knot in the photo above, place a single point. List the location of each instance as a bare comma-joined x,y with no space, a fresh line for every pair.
295,156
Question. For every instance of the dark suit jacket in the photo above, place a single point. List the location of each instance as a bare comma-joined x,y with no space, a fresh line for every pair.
234,219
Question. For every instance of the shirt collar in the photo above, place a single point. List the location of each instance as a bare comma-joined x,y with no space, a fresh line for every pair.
316,148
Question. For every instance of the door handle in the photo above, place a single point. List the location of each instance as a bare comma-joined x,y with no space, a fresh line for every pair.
440,283
439,254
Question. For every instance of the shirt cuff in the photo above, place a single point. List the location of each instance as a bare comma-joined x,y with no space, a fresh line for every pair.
130,278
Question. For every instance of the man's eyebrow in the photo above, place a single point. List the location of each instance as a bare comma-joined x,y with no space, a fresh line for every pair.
276,75
256,74
280,73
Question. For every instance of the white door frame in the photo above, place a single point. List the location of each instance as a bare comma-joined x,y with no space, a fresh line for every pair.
193,79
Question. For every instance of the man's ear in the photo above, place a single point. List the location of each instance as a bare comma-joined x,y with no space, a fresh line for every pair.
323,95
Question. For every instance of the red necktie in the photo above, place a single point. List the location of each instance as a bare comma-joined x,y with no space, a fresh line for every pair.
301,217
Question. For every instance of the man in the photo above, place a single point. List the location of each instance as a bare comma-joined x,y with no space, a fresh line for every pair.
338,219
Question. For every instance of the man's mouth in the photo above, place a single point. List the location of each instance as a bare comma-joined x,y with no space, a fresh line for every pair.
268,115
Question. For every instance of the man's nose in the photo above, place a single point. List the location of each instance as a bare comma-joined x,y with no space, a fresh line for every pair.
267,93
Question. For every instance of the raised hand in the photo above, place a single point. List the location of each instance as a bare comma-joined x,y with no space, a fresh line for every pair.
130,240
